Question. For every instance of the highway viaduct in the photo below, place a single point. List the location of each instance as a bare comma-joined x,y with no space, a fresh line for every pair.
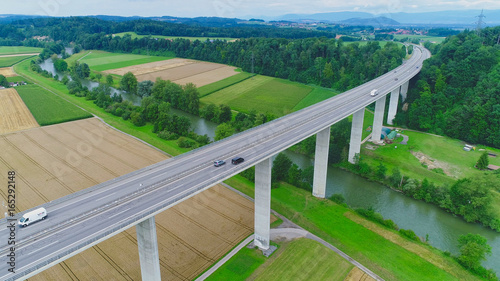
81,220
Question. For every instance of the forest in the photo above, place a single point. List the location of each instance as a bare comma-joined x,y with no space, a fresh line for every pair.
457,93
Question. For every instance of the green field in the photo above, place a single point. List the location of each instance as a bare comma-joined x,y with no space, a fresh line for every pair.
431,39
10,61
459,163
261,93
135,35
310,260
48,108
144,133
101,61
316,95
240,266
224,83
327,220
18,79
13,50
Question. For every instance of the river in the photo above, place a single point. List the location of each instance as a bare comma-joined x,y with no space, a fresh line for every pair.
442,228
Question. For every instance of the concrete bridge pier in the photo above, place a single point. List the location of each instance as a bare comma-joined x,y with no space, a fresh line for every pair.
356,134
263,204
321,163
404,90
393,105
148,250
378,119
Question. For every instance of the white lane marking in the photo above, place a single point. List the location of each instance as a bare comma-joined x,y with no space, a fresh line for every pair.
44,247
119,213
105,196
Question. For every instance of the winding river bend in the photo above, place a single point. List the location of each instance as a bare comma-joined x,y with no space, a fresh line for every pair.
442,228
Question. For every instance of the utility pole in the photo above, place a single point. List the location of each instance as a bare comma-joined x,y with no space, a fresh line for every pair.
480,23
498,40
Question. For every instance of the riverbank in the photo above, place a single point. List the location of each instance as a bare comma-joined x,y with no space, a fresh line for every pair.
396,259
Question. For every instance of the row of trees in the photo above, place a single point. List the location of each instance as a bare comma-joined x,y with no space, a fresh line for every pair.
458,91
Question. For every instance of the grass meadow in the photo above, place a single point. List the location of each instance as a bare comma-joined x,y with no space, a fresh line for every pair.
10,61
48,108
224,83
102,61
310,260
261,93
432,39
328,220
14,50
135,35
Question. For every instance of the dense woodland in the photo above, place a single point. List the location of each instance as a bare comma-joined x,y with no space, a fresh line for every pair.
458,91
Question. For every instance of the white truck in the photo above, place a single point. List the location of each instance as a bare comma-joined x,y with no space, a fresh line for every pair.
33,216
374,92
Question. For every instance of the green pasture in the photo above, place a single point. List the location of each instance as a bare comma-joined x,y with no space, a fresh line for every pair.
261,93
14,50
101,61
224,83
305,259
310,260
240,266
135,35
10,61
326,219
432,39
48,108
316,95
458,163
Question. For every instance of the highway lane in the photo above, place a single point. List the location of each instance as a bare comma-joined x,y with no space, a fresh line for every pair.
111,207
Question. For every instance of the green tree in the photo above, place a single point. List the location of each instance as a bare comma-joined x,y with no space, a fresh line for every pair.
483,162
225,113
109,80
473,249
98,76
145,88
3,81
395,178
222,131
471,197
129,83
381,170
281,166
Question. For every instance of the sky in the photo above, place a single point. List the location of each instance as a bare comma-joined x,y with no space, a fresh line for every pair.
231,8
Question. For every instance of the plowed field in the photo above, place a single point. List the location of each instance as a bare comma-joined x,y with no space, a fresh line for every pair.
180,71
57,160
14,115
7,72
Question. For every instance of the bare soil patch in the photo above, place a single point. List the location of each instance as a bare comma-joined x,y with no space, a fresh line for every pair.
57,160
357,274
18,55
14,115
7,72
180,71
431,163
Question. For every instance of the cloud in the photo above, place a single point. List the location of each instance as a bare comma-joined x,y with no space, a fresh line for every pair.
231,8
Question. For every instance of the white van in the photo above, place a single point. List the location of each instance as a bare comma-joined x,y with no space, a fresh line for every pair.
374,92
33,216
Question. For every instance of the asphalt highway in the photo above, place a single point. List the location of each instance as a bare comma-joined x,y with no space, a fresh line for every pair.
83,219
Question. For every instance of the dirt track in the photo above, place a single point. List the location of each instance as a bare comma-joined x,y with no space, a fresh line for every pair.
54,161
180,71
14,115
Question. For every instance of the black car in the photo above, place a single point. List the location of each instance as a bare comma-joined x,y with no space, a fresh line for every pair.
237,160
